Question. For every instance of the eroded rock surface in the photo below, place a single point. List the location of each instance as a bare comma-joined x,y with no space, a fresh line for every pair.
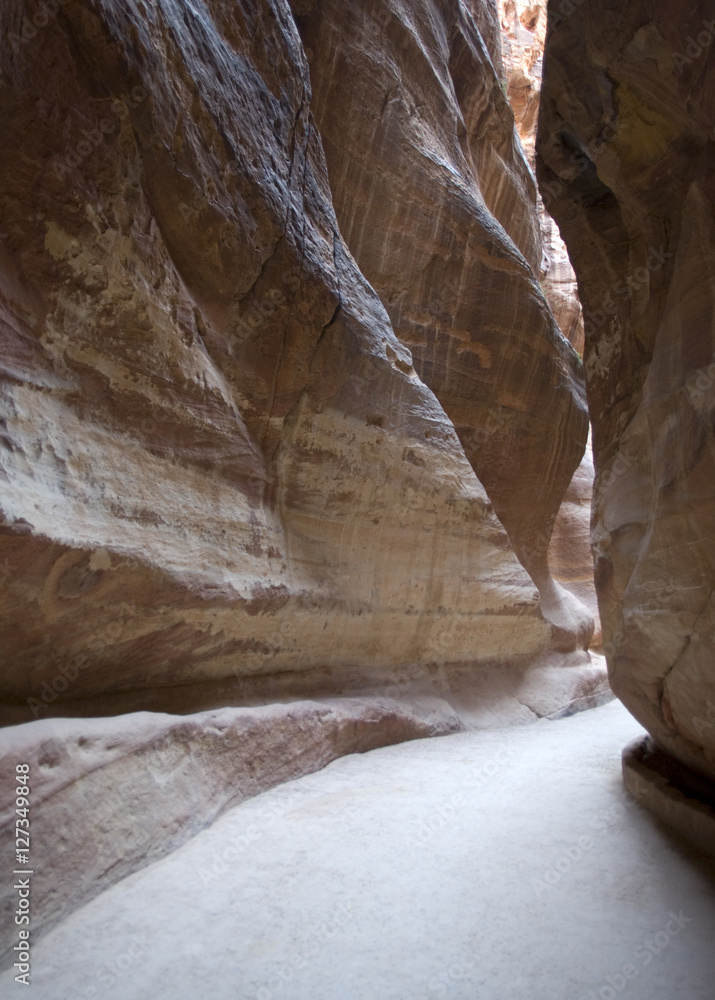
523,26
218,463
626,159
437,203
110,796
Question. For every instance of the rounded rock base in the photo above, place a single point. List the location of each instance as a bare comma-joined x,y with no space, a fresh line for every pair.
680,797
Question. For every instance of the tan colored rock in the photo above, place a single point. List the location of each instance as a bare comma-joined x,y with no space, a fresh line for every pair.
523,27
570,553
221,476
523,30
436,202
626,166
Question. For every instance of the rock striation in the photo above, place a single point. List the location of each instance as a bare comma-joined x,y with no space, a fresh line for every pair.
231,473
523,27
222,477
437,204
626,163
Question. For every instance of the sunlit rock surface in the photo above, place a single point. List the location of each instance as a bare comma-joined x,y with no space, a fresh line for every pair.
627,158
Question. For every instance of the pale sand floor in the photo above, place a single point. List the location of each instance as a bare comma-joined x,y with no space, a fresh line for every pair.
499,865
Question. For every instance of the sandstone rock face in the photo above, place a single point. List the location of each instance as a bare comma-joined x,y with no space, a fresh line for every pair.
523,28
219,466
626,164
110,796
570,554
437,204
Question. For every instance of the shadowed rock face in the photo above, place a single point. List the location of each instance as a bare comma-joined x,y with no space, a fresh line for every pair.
437,203
218,463
523,26
626,164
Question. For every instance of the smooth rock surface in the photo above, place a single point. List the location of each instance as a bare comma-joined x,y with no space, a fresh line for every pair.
111,795
570,555
217,462
626,163
523,26
437,204
504,865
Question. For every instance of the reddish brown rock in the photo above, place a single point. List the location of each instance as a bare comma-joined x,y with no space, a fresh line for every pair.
219,467
627,166
437,203
523,28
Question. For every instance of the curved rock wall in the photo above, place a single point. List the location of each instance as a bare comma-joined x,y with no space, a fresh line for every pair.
523,27
222,478
626,163
437,203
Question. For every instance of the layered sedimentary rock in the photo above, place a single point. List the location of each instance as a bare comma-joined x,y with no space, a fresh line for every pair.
110,796
523,28
437,204
219,465
626,162
570,554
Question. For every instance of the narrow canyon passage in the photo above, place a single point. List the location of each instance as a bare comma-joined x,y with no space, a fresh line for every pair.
357,442
504,864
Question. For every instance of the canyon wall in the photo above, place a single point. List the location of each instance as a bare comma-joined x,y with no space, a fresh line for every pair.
231,471
626,163
523,27
223,478
436,202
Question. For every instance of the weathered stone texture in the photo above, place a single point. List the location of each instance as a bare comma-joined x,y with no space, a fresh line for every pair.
437,203
523,27
626,163
218,463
